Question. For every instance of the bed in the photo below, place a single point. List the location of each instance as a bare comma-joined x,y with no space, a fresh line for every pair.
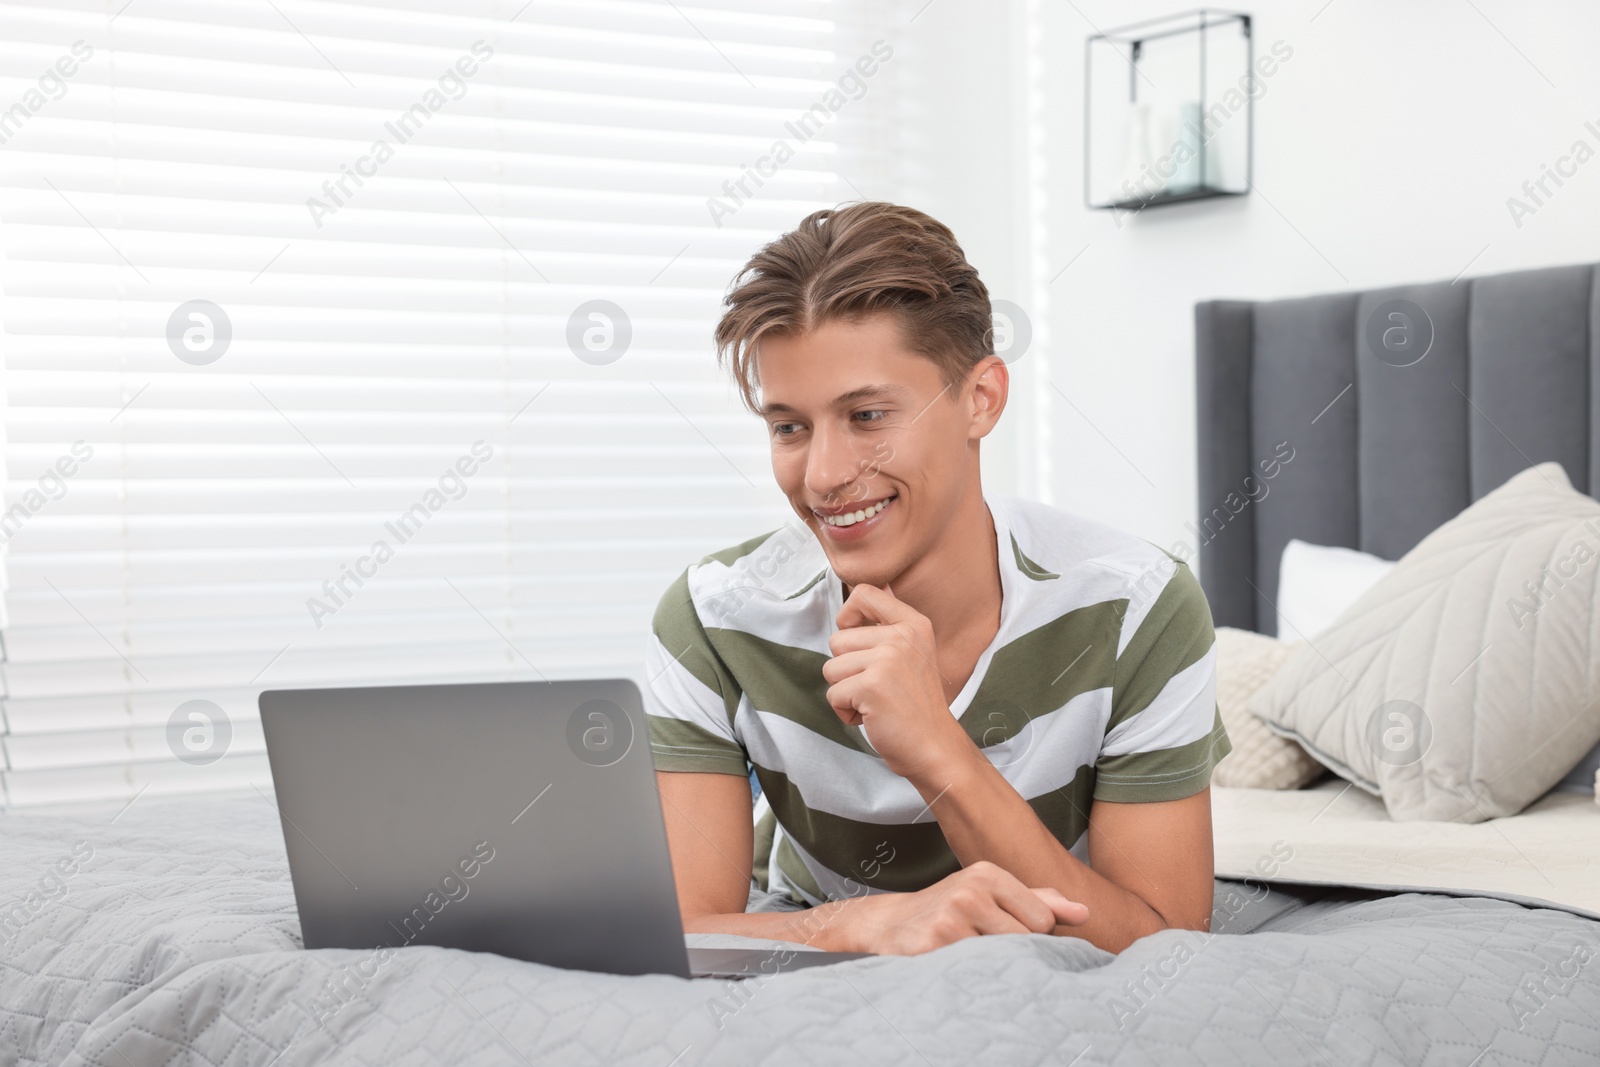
166,933
1502,373
176,942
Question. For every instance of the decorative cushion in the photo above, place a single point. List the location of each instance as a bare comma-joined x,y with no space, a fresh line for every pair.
1260,758
1466,682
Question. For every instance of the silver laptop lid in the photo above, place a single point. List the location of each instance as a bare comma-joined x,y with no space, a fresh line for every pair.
519,818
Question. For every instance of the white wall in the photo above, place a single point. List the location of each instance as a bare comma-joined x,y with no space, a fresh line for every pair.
966,161
1386,148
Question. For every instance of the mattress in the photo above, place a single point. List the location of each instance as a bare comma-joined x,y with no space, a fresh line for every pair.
1336,834
174,941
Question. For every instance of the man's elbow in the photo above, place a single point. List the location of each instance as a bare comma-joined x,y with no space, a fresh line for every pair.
1182,917
1180,912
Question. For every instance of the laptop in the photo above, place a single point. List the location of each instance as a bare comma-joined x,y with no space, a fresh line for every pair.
519,818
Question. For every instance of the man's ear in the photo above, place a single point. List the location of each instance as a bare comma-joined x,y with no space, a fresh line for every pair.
988,385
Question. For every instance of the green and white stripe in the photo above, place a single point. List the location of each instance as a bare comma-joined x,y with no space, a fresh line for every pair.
1100,685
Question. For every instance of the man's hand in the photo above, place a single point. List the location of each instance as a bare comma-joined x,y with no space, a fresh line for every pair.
711,868
884,678
980,899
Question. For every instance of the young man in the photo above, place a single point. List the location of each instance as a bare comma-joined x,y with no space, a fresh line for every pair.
967,714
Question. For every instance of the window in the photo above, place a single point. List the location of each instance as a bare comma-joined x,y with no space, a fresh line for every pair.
365,343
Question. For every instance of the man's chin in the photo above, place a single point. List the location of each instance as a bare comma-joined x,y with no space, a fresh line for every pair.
862,563
854,572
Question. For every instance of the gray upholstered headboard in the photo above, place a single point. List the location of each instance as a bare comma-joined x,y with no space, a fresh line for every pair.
1384,449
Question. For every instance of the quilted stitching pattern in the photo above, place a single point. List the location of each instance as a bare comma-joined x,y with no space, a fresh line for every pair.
1260,758
1508,681
177,945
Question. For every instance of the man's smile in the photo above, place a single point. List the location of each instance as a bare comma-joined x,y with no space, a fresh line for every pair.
852,515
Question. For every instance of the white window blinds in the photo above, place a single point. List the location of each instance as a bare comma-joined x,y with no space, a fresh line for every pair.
361,342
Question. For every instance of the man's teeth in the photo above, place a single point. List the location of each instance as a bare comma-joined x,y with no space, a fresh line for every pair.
850,518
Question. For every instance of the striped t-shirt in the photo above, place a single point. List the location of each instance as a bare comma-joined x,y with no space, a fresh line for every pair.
1099,685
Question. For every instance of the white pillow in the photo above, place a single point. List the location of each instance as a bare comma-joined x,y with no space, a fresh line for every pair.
1317,582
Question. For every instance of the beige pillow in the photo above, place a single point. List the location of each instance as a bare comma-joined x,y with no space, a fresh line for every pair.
1260,758
1466,682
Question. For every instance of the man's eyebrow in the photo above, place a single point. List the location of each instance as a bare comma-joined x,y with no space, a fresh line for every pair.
854,396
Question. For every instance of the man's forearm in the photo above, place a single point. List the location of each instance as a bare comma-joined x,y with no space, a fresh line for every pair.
823,926
984,818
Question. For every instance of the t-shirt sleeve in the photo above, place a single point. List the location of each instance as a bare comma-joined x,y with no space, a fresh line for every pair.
1165,734
689,695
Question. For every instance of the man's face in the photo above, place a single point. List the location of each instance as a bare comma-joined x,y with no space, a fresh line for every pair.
872,448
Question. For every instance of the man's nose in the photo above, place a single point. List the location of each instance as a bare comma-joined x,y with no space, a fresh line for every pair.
832,466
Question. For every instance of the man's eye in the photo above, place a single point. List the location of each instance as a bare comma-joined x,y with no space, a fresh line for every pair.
871,416
785,429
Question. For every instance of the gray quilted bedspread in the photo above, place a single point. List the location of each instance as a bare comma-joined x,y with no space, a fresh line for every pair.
169,937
